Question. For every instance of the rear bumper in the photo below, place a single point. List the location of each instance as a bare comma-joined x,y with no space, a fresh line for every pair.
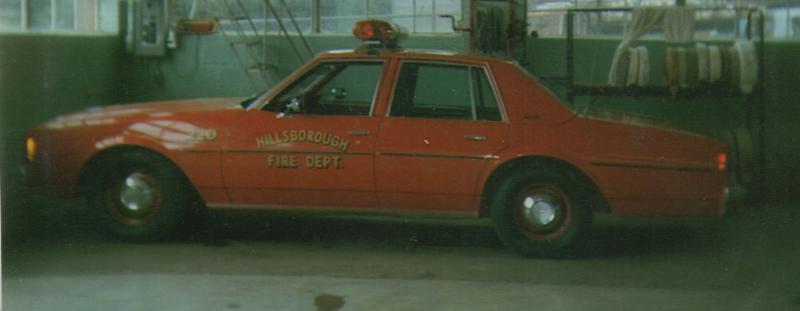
733,194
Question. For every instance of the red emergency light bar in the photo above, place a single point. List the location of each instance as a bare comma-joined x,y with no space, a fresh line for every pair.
373,31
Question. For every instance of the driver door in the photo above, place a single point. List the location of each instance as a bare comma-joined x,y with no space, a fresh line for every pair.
312,144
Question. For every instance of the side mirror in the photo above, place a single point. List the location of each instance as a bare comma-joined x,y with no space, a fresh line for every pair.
339,93
291,107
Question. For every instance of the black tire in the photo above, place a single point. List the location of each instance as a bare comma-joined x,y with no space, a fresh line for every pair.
139,195
540,212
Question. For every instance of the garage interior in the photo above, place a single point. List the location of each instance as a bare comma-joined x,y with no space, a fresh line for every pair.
64,56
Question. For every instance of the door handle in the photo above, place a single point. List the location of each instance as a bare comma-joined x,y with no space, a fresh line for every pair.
358,132
474,137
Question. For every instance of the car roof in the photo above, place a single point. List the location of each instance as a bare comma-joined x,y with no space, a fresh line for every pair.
410,54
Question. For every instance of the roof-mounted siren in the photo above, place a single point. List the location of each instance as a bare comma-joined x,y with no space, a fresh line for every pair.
378,34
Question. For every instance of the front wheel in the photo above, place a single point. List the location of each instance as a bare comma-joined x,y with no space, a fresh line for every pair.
139,196
540,212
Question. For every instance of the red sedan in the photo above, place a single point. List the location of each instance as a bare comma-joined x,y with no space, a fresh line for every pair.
382,130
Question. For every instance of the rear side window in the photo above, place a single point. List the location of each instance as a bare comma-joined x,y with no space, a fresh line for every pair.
441,91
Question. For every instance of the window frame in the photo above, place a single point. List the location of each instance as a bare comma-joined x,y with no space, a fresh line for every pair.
485,68
24,14
734,17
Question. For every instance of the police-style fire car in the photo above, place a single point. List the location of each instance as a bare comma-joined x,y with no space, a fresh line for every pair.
382,130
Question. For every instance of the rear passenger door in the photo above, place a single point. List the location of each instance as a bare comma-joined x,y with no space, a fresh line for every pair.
444,124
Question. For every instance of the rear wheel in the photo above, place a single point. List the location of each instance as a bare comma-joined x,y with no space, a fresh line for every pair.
540,212
139,195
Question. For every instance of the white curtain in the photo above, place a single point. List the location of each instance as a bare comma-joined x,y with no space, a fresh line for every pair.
678,24
643,19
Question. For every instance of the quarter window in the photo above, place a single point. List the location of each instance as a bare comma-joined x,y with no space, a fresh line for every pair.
486,107
440,91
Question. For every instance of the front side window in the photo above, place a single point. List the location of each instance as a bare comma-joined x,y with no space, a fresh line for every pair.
439,91
333,88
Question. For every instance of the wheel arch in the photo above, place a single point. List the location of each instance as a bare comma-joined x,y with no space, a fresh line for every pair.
93,165
597,201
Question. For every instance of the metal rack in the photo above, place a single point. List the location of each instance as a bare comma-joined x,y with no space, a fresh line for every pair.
249,46
756,114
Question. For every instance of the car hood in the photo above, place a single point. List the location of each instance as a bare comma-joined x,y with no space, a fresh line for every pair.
113,113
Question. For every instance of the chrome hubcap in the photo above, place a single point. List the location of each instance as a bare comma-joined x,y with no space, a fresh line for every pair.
541,211
137,194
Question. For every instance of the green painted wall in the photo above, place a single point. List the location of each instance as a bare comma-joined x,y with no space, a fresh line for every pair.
43,75
783,115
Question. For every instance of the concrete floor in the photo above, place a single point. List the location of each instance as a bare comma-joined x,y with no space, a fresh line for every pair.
56,260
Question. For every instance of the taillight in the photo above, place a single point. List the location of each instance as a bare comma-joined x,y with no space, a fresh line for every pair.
722,161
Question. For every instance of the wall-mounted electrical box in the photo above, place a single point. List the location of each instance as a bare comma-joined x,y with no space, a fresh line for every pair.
147,27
